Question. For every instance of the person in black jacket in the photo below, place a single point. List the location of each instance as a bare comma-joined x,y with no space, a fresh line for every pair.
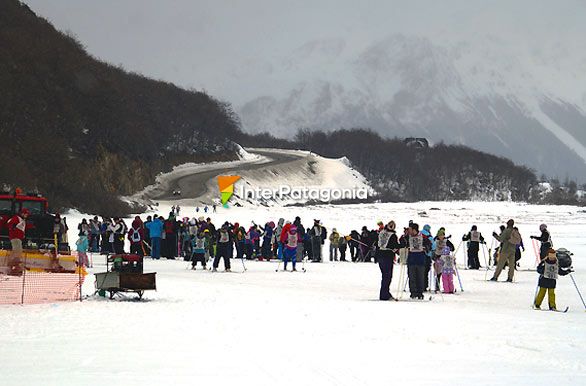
386,247
549,270
545,240
474,239
353,244
224,247
318,235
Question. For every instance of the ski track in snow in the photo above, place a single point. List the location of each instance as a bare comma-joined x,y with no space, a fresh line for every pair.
322,327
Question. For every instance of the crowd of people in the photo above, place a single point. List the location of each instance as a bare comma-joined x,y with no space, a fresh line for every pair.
430,260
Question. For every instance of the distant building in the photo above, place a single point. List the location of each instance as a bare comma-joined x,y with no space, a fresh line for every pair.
418,143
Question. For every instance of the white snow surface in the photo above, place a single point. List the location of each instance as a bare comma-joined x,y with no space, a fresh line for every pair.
322,327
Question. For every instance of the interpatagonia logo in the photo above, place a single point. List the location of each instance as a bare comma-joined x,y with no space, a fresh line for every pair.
226,184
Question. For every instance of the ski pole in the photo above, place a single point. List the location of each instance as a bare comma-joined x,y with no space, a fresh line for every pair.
486,263
537,255
459,279
457,249
243,265
579,293
536,290
303,263
278,266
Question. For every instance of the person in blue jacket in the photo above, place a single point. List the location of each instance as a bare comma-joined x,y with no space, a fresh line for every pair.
155,228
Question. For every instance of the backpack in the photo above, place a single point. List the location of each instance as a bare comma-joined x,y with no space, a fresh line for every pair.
135,237
515,237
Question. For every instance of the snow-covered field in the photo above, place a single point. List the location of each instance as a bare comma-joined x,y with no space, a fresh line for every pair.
322,327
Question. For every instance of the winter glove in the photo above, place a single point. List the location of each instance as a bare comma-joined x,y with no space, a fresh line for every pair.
494,234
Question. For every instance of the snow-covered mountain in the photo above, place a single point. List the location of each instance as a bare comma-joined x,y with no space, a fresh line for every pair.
502,76
505,103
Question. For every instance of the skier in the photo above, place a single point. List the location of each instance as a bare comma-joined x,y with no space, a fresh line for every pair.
549,269
16,233
448,264
545,240
427,233
318,235
240,238
277,238
387,247
199,247
440,243
508,238
224,248
334,244
290,246
418,245
214,208
474,239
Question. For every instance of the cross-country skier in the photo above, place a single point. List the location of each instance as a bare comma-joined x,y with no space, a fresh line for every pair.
545,240
387,247
428,255
448,267
474,239
224,248
418,245
199,247
290,246
440,243
508,238
277,241
549,270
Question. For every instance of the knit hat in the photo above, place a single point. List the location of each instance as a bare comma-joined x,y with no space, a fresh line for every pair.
551,253
542,227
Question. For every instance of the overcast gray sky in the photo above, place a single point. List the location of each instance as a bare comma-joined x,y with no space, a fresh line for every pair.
230,47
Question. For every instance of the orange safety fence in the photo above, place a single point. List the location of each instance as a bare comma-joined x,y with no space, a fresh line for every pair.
45,279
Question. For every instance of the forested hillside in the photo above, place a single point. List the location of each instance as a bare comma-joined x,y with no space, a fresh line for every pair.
83,131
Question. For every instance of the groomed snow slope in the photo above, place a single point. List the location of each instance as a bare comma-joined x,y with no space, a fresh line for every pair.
323,327
300,169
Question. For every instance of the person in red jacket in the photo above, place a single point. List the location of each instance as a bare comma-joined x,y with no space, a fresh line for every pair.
16,229
136,236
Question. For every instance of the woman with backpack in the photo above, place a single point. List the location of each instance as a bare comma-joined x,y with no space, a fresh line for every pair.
136,236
